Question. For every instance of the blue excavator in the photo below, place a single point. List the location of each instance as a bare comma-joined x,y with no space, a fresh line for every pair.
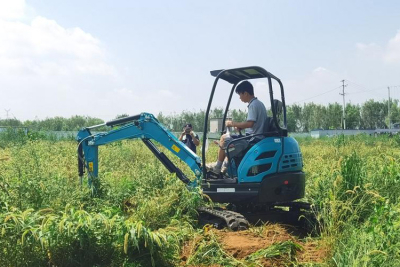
262,178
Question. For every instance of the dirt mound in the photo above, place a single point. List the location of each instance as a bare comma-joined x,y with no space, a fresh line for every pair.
244,243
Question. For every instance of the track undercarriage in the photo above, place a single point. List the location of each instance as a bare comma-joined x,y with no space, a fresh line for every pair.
237,218
273,200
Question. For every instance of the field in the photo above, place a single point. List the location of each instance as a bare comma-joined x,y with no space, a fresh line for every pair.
144,216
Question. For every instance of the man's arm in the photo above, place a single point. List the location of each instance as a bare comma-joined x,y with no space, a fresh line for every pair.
251,118
195,139
240,125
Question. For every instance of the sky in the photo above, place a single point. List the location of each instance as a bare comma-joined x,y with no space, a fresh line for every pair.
105,58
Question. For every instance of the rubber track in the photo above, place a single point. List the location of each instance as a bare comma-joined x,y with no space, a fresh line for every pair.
234,220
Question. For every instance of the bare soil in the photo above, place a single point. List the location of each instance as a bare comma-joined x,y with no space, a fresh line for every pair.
244,243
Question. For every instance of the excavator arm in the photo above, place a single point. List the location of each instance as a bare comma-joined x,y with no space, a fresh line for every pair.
146,127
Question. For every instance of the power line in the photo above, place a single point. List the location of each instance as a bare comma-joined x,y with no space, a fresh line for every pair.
357,84
316,95
368,90
363,86
347,93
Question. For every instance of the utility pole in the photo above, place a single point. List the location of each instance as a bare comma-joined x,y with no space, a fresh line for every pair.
390,127
7,110
344,105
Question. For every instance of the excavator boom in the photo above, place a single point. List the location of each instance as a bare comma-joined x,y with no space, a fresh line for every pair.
145,127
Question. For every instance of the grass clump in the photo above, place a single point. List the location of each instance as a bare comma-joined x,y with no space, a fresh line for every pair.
286,250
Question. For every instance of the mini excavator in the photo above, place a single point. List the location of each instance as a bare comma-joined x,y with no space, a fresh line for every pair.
262,178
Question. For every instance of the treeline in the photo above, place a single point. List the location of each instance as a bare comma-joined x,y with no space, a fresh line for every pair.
173,122
309,116
370,115
301,118
74,123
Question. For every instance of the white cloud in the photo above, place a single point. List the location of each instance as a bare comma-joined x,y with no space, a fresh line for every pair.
390,53
45,48
393,49
320,69
12,9
48,70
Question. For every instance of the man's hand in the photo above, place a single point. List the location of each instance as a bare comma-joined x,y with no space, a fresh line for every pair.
182,135
229,123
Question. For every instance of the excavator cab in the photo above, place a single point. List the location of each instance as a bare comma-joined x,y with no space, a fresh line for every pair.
262,168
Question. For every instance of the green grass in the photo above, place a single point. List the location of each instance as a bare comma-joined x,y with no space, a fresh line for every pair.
144,215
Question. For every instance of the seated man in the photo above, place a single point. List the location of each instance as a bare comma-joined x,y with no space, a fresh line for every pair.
256,119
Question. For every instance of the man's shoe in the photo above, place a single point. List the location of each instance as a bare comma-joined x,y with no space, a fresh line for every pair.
224,167
213,167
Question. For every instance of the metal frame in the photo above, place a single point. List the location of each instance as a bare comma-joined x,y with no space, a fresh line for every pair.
234,77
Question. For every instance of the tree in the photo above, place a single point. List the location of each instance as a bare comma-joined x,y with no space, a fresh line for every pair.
307,116
297,117
216,113
76,123
394,111
373,114
238,115
334,116
291,121
120,116
10,122
353,116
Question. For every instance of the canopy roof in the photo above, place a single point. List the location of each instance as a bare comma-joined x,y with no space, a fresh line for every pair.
234,76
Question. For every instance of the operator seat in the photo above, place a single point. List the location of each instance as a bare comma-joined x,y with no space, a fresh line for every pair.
237,148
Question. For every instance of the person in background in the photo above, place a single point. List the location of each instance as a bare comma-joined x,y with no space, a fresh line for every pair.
189,138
